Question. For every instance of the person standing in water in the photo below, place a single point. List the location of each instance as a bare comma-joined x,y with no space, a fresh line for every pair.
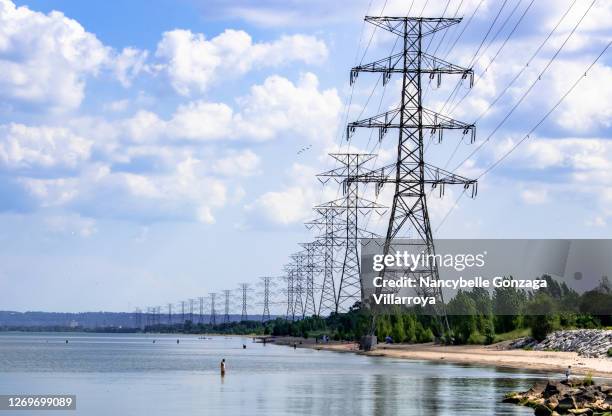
223,367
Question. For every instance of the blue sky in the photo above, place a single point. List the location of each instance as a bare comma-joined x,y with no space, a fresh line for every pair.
150,153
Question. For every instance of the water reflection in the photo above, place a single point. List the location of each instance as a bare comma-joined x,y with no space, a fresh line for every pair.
131,375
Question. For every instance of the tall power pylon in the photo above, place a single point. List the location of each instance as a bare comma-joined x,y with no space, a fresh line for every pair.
244,290
191,309
310,269
290,314
169,314
182,312
226,317
266,281
326,244
213,312
410,173
351,165
138,318
201,300
298,270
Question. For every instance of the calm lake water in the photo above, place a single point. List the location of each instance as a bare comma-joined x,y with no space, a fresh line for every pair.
130,375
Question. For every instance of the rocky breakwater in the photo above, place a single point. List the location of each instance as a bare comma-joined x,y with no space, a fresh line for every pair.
576,397
586,342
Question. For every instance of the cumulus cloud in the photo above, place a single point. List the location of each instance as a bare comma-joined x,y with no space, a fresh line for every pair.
128,64
299,109
277,107
244,163
566,166
45,59
589,107
185,193
193,63
24,147
293,203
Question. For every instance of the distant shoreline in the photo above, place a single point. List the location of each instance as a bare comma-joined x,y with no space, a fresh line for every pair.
490,355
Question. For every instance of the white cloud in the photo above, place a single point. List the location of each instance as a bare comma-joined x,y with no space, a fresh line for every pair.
144,126
577,154
128,64
24,147
46,58
185,193
534,196
244,163
193,63
201,120
294,203
589,106
279,107
276,108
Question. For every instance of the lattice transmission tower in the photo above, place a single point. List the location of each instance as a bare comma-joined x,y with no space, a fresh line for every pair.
327,222
266,281
244,290
410,173
310,269
226,318
351,207
213,312
297,270
289,278
182,312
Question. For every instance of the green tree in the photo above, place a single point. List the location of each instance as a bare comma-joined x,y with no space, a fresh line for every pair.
540,315
508,303
462,309
398,334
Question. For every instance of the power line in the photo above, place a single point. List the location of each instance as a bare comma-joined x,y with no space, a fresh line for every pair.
518,22
507,87
568,92
537,51
538,78
462,31
538,124
471,64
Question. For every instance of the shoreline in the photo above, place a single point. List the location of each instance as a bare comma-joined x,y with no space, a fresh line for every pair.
490,355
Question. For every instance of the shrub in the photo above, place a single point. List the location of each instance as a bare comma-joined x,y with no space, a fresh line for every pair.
426,336
476,338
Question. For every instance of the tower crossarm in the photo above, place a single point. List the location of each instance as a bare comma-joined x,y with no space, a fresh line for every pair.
360,203
431,120
433,175
394,64
397,25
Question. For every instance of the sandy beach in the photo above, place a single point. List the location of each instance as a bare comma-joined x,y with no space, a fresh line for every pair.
494,355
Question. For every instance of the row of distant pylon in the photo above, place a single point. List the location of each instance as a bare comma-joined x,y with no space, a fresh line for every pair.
205,309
